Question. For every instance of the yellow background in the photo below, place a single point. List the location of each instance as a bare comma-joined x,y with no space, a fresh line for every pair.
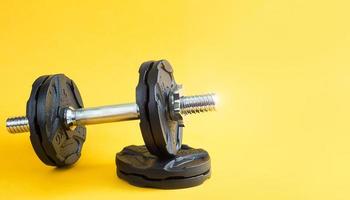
280,68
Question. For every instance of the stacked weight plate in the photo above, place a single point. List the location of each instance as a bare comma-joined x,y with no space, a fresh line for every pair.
53,143
190,167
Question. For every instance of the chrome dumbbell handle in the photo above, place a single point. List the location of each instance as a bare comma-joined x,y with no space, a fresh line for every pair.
115,113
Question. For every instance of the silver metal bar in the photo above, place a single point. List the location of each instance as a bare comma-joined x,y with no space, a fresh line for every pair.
17,124
104,114
122,112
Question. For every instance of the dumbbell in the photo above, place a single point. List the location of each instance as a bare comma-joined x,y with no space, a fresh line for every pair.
56,119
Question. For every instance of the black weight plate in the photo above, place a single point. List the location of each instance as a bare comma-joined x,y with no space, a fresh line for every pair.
188,168
142,102
187,163
171,183
35,136
61,145
167,133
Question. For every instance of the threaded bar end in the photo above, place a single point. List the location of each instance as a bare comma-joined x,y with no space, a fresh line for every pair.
17,124
197,103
